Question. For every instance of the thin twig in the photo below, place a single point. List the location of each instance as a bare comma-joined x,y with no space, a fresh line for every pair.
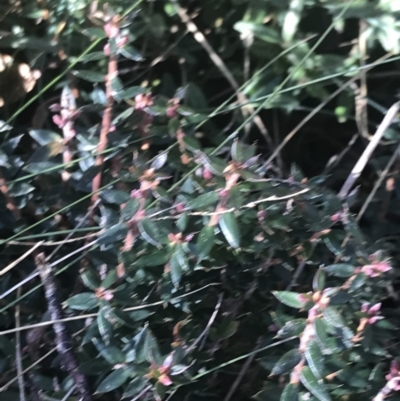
318,108
18,359
105,124
363,160
63,338
209,324
5,387
22,257
70,391
36,273
378,183
219,63
92,315
297,274
54,243
142,393
243,371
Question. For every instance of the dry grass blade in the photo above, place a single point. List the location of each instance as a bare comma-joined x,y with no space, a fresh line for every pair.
363,160
21,258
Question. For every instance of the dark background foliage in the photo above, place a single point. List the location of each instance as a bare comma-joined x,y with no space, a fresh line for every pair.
199,264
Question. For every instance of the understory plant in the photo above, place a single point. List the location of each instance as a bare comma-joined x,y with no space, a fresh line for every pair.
173,259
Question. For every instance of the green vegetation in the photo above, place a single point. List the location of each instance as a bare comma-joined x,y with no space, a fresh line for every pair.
174,220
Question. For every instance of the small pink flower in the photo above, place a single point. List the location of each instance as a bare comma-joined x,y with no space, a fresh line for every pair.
111,30
273,327
171,112
207,174
374,309
394,370
122,41
180,207
59,121
261,215
336,217
107,49
376,269
136,194
364,307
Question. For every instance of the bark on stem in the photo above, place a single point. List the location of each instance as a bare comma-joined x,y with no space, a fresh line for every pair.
69,362
105,124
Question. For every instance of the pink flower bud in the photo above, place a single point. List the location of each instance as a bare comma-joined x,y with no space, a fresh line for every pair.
180,207
261,215
374,309
136,194
111,30
364,307
55,107
58,121
171,112
107,49
122,41
336,217
207,174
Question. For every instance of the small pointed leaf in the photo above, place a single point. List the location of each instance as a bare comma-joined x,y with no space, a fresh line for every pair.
340,270
315,359
292,299
287,362
114,380
230,229
316,387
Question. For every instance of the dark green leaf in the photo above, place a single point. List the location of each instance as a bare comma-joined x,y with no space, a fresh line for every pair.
176,269
315,359
159,161
149,232
114,196
94,56
290,392
226,329
205,241
110,353
105,327
117,89
333,317
319,280
90,278
113,234
314,386
89,75
44,136
292,299
340,270
230,229
131,92
287,362
135,387
114,380
292,328
320,331
131,53
260,31
130,209
203,201
83,301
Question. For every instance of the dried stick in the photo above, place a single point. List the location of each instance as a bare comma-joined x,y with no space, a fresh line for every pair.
363,160
18,358
243,371
22,257
219,63
209,324
69,362
106,123
317,109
